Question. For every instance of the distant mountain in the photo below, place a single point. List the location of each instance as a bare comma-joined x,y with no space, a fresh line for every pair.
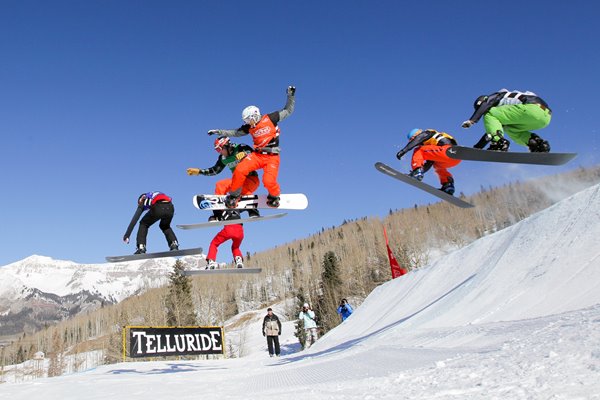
40,290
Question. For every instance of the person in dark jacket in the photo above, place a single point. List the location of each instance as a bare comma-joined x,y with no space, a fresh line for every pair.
160,208
272,330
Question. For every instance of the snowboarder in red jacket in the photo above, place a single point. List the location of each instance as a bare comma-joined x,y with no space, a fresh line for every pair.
160,208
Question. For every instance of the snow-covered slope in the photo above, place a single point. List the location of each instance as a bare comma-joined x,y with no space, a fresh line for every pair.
515,315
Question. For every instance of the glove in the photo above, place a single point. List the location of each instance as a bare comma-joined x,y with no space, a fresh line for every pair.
126,239
240,155
291,90
193,171
467,124
213,132
399,155
264,334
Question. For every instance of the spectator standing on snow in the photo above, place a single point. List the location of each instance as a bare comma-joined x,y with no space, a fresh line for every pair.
307,316
272,330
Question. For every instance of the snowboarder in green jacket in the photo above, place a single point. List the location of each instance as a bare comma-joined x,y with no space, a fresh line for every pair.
514,113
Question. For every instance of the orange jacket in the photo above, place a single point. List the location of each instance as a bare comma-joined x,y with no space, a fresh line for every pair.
264,132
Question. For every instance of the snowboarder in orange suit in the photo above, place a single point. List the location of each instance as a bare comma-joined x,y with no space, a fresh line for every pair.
430,151
230,155
264,130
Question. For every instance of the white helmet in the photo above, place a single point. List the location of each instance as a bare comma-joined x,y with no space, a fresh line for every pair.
251,114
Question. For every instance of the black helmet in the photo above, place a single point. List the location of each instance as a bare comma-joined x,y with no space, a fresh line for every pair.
479,101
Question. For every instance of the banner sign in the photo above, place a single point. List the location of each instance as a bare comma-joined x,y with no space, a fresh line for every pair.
175,341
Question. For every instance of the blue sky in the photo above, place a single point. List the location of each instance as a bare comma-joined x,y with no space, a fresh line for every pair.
103,100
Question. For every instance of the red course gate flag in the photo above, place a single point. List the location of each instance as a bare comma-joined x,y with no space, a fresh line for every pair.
397,270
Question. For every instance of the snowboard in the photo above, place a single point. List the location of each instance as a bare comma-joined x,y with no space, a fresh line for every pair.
297,201
171,253
222,271
468,153
381,167
230,221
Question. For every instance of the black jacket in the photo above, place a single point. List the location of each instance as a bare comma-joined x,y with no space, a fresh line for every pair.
267,327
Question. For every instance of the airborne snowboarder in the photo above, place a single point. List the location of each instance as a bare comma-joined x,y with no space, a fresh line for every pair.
264,130
159,207
230,155
430,151
514,113
233,232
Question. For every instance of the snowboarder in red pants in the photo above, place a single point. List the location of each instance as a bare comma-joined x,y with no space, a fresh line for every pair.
233,232
430,151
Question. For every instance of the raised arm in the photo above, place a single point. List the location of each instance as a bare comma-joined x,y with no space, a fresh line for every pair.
290,104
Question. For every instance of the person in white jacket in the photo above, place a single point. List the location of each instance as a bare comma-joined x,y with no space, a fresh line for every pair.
307,316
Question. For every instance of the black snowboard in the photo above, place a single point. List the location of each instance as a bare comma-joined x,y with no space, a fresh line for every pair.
172,253
381,167
468,153
230,221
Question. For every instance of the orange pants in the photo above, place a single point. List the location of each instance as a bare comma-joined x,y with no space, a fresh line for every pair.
436,154
269,163
248,187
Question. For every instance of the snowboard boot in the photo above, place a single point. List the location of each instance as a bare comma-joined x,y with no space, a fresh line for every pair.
538,145
417,173
273,201
239,263
217,216
499,144
231,200
141,249
448,186
174,245
485,139
253,213
211,264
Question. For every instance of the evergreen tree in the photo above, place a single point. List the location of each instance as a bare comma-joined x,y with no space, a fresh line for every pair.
299,332
331,282
179,302
331,270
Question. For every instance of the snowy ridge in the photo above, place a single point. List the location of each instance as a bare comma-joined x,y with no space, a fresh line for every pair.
515,315
112,281
40,290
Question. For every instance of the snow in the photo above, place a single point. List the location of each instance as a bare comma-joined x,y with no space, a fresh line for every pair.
111,280
514,315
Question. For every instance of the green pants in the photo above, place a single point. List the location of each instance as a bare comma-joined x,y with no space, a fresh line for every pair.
517,121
